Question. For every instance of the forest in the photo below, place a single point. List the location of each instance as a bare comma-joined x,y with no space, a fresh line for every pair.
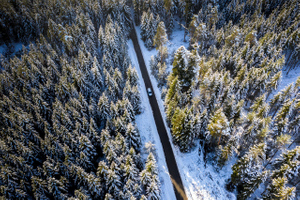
70,96
68,102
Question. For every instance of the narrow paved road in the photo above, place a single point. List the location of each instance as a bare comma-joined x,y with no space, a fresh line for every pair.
161,129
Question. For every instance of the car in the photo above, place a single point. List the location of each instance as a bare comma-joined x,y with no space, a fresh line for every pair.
149,92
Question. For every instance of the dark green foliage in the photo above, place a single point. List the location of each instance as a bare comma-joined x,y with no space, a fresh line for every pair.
68,110
184,66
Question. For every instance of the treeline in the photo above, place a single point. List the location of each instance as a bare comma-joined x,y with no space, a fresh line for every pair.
218,91
68,104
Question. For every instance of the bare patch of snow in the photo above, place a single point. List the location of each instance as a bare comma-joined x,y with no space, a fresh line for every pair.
286,79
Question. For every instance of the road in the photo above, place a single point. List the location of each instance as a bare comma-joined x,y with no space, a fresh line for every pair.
161,129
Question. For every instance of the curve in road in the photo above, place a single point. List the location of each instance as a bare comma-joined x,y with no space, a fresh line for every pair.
161,129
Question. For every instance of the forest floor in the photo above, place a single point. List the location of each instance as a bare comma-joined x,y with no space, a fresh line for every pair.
286,79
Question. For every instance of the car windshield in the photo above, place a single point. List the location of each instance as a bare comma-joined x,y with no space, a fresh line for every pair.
149,91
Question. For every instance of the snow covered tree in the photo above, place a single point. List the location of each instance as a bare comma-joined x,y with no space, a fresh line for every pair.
287,164
184,66
57,188
144,26
132,76
162,75
150,173
103,107
218,128
153,191
82,194
113,183
39,187
252,184
183,129
137,5
248,172
278,190
97,74
148,28
132,94
132,137
160,38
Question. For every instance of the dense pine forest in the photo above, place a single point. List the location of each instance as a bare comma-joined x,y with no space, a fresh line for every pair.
68,102
69,98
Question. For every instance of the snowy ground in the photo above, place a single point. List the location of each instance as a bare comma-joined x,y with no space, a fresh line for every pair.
199,182
146,125
286,79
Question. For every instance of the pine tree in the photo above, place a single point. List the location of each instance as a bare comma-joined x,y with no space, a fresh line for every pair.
278,190
150,173
218,127
103,107
160,38
137,5
82,194
153,192
184,66
56,188
248,172
102,171
281,119
113,183
130,173
144,26
121,145
252,184
148,28
95,187
132,76
184,128
86,146
287,164
132,94
162,75
39,187
132,137
97,76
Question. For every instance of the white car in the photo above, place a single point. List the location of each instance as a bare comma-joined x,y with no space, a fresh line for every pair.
149,92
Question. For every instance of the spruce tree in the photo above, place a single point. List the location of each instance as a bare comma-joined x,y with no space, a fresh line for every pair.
247,172
278,190
218,128
132,137
160,38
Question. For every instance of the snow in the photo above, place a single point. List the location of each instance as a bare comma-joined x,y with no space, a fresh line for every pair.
68,37
286,79
200,182
147,128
